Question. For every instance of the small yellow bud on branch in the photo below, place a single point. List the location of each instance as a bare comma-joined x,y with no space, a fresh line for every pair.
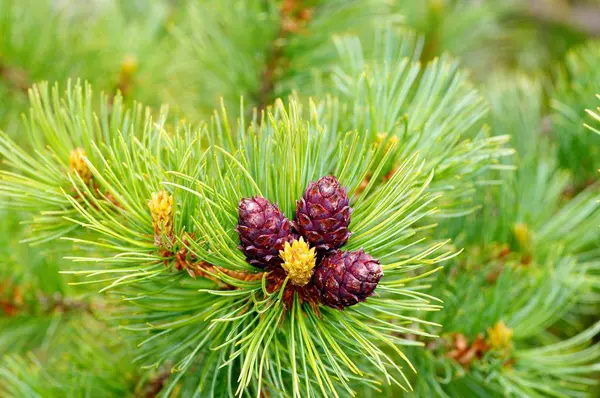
499,336
161,209
78,165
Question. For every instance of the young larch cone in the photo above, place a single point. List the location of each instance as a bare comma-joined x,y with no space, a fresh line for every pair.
161,209
263,231
346,278
323,214
298,261
78,165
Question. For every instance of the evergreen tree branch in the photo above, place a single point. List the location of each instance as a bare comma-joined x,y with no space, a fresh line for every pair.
292,13
574,92
149,208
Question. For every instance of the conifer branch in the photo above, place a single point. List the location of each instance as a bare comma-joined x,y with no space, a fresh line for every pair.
313,248
293,16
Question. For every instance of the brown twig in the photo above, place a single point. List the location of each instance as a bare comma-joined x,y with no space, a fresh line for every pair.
186,260
59,303
574,189
99,195
14,77
13,302
155,385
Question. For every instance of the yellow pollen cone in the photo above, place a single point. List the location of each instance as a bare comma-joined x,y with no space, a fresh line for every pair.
161,208
499,336
298,261
78,165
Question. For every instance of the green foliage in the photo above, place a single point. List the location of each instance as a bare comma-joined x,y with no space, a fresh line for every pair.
530,264
433,110
209,168
84,363
36,304
41,41
207,199
500,35
495,181
53,132
575,92
254,49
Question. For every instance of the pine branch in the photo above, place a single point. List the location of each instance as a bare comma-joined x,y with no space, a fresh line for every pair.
186,260
264,61
206,208
492,345
173,182
574,92
529,265
13,304
293,15
86,358
151,208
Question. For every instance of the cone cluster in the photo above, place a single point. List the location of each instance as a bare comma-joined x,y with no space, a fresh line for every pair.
308,248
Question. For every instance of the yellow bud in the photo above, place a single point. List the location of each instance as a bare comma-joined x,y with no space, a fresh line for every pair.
129,65
78,165
161,208
381,137
298,261
437,5
522,234
499,336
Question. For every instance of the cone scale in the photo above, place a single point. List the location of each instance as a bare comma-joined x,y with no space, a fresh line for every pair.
346,278
323,214
263,231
